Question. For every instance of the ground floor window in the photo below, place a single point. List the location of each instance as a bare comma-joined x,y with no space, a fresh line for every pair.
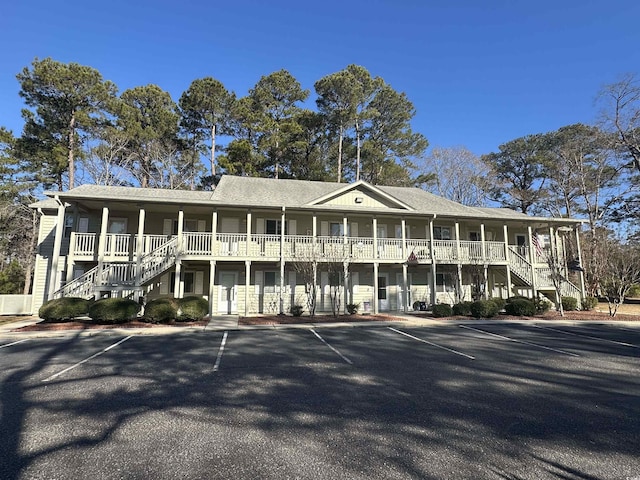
445,282
271,282
189,282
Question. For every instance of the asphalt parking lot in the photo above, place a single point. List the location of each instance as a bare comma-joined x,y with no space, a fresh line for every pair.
479,400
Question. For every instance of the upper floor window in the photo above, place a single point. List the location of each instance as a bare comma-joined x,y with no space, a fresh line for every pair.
442,233
117,225
337,229
274,227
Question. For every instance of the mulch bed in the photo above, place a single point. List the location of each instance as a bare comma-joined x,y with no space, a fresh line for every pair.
289,319
549,316
88,324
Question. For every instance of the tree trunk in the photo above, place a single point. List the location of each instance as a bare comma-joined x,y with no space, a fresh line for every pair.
340,153
213,150
72,138
31,253
357,151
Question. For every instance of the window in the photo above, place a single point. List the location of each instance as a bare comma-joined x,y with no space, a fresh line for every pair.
271,282
117,225
189,225
188,279
445,282
337,229
68,226
442,233
274,227
475,236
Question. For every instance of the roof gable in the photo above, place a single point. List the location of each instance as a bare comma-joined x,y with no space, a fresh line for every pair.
360,195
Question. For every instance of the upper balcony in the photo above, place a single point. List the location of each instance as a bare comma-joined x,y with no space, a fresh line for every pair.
220,246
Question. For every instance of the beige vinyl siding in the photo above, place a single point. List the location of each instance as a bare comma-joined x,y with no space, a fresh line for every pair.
46,238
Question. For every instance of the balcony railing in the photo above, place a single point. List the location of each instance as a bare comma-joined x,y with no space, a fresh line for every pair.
294,247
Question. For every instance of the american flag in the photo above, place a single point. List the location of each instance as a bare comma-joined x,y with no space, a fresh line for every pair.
535,238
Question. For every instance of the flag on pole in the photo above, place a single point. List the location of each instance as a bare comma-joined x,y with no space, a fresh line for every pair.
535,238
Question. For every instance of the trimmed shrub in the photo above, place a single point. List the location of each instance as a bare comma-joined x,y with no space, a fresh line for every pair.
462,308
521,307
113,310
484,309
161,310
352,308
192,308
569,303
442,310
500,302
542,305
517,297
64,309
589,303
296,310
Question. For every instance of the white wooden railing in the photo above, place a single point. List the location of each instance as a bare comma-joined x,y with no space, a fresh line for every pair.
519,264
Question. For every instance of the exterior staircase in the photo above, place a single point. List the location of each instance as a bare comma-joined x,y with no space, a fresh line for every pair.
119,274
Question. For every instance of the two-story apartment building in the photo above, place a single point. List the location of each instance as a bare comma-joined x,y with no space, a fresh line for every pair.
248,246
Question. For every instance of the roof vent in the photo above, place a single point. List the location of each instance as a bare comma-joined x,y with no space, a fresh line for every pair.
358,199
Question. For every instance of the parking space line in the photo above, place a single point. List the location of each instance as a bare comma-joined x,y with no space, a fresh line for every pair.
87,359
588,336
431,343
220,350
13,343
335,350
519,341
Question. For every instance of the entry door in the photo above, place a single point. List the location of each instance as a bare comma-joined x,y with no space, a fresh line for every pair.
383,292
227,298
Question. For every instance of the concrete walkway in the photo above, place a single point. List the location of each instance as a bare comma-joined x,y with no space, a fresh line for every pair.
230,322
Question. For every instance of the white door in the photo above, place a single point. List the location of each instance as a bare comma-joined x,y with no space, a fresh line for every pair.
383,292
227,296
229,235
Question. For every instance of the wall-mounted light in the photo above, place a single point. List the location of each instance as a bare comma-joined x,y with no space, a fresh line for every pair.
358,199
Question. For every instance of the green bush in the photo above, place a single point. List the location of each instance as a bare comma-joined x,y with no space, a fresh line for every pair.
569,303
192,308
352,308
484,309
296,310
113,310
64,309
161,310
521,307
442,310
517,297
462,308
542,305
589,303
500,302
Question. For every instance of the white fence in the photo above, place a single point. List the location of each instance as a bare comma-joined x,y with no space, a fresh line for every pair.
15,304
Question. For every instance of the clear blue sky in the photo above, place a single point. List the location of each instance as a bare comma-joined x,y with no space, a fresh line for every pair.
479,72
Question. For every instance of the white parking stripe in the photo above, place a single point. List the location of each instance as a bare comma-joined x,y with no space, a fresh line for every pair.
588,336
519,341
13,343
335,350
87,359
431,343
220,350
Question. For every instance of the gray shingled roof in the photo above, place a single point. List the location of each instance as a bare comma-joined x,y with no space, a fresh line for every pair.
276,193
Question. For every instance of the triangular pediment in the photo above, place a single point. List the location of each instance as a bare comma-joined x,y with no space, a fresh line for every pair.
360,195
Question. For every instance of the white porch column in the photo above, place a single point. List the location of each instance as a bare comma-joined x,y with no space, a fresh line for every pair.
57,244
403,225
139,246
102,241
375,287
507,257
405,289
282,229
247,285
433,261
345,285
176,284
457,227
247,250
483,239
375,239
214,230
486,281
180,230
532,259
212,276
